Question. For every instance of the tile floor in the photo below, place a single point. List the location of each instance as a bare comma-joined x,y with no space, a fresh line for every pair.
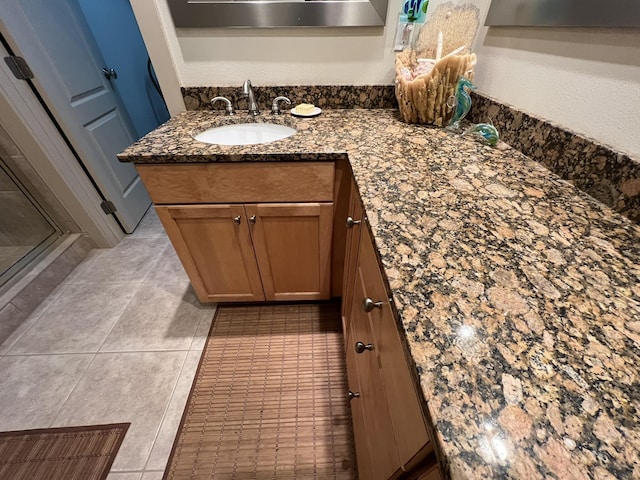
118,341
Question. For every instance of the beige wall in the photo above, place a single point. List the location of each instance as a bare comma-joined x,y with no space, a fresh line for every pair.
587,80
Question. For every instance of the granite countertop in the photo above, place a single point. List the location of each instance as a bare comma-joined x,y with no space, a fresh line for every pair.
519,295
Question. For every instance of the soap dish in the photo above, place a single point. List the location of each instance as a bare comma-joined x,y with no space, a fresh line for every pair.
314,113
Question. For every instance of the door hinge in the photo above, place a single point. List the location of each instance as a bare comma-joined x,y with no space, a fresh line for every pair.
108,208
18,67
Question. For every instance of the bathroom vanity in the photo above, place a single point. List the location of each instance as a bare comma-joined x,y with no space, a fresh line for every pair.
490,309
250,231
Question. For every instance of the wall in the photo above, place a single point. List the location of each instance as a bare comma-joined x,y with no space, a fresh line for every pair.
282,56
586,80
116,32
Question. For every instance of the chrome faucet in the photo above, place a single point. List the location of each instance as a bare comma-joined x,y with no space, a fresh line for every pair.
247,91
227,102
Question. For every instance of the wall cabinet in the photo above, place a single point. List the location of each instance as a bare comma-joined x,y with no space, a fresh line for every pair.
268,241
390,430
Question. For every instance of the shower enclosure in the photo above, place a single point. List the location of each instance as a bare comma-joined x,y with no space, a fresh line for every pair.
25,229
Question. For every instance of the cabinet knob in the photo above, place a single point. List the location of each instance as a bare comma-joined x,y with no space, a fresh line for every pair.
361,347
351,395
252,219
368,305
237,219
351,222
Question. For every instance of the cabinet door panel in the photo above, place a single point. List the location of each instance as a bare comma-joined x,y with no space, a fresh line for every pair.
406,413
360,433
215,251
292,242
381,456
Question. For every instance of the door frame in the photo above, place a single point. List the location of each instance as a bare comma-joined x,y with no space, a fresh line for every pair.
33,131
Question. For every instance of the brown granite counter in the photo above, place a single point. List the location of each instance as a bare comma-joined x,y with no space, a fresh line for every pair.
519,295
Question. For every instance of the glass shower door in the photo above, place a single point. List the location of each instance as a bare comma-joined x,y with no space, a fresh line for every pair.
25,230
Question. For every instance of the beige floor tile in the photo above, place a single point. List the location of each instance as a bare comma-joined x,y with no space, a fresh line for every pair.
86,261
155,475
158,317
150,226
15,335
202,332
125,387
128,262
11,317
168,269
164,441
125,476
33,388
77,321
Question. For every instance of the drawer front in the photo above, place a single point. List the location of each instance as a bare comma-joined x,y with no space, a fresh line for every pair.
239,182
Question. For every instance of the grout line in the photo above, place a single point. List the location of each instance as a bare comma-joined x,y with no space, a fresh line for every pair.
75,385
82,266
166,410
206,316
36,319
119,318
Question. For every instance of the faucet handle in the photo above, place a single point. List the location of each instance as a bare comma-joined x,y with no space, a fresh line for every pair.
275,110
228,108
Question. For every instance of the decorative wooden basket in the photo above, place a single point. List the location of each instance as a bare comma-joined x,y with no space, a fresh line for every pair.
424,99
450,29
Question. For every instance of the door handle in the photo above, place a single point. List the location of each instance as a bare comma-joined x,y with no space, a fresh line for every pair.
109,73
237,219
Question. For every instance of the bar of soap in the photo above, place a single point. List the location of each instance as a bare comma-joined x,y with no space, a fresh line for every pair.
304,108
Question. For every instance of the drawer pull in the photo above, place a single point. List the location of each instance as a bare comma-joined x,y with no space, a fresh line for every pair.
237,219
351,395
368,305
351,222
361,347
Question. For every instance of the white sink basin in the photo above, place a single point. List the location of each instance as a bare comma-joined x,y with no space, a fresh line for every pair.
245,134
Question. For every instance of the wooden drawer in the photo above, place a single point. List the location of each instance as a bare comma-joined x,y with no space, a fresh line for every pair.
239,182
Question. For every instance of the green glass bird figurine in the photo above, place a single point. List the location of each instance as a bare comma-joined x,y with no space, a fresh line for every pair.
485,132
461,102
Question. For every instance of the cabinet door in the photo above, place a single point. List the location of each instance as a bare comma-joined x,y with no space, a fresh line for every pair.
292,242
411,435
214,246
372,426
354,226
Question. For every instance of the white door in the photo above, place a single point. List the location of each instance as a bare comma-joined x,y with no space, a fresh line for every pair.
54,39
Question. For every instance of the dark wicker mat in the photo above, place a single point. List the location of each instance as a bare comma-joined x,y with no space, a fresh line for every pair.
268,400
68,453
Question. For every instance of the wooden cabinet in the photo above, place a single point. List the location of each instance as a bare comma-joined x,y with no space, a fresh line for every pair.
292,242
215,250
389,427
375,443
272,238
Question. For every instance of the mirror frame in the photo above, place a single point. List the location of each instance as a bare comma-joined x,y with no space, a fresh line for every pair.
270,14
564,13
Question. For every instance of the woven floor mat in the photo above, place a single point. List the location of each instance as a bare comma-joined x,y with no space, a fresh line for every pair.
68,453
268,400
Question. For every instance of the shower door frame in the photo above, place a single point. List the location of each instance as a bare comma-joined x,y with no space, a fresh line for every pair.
7,276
